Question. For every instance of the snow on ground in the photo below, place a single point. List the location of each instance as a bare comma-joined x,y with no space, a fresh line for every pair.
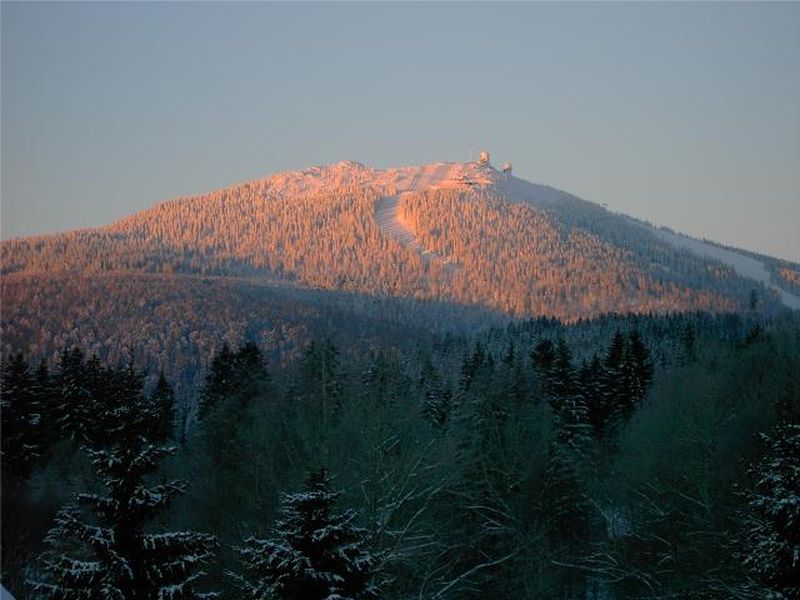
744,265
387,213
408,180
471,175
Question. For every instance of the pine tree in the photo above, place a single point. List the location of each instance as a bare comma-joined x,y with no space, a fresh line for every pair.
236,378
251,374
322,377
566,499
562,377
772,524
45,397
513,381
379,381
236,388
113,555
219,380
75,409
21,417
316,554
163,400
634,375
590,383
436,397
543,358
616,388
470,367
565,496
641,360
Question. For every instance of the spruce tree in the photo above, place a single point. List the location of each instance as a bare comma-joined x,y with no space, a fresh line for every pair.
21,417
543,358
75,409
219,380
44,396
772,523
565,494
591,386
380,382
322,379
436,397
617,387
316,553
562,377
101,546
250,374
643,364
163,401
236,388
636,374
236,378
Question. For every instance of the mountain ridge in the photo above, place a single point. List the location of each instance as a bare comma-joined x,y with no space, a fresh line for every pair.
401,184
451,245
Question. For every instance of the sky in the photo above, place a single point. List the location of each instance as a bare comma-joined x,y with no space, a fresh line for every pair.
686,115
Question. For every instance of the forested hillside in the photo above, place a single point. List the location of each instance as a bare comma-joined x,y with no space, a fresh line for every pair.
264,259
626,457
565,258
176,323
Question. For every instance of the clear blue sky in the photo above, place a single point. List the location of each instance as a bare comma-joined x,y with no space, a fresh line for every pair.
687,115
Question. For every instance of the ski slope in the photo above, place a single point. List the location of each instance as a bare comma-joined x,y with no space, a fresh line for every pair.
744,265
473,175
408,180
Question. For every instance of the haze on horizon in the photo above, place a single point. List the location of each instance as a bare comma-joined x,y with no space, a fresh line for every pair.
687,115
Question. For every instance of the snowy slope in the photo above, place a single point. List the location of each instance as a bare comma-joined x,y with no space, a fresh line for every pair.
744,265
481,175
436,176
409,180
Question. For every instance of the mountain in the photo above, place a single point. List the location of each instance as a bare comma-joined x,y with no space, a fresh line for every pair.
440,246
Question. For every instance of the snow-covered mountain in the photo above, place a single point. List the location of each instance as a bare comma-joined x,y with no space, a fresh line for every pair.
466,236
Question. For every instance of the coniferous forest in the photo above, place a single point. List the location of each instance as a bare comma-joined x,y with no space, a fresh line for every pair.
399,301
622,457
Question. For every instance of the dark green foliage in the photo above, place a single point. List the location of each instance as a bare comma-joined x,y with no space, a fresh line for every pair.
72,383
45,397
772,521
689,345
163,400
234,377
21,420
437,400
534,461
100,547
544,357
316,553
565,491
225,445
321,378
592,385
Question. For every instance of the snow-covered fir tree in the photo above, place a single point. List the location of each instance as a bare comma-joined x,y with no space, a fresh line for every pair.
316,554
101,546
773,521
